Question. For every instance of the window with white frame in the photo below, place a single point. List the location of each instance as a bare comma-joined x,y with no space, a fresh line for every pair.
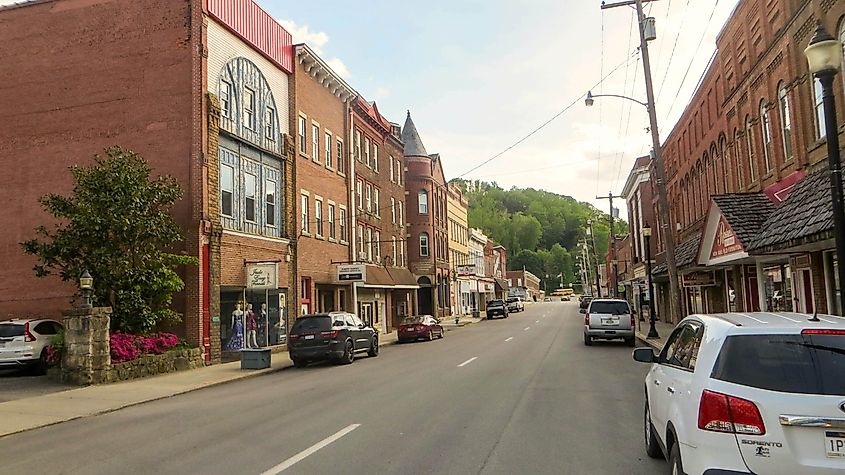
318,216
377,243
227,190
341,160
360,239
315,142
369,197
376,202
367,157
249,108
785,122
269,123
424,244
375,157
358,145
402,252
766,129
749,143
422,198
370,244
303,140
342,225
328,151
304,220
391,169
270,202
399,172
393,248
400,209
392,210
818,102
359,191
330,221
250,185
226,99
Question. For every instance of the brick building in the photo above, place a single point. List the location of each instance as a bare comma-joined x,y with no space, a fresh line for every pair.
428,248
747,160
319,119
523,284
193,88
639,196
388,293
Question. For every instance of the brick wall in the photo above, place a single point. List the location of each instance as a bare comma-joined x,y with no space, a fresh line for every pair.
63,101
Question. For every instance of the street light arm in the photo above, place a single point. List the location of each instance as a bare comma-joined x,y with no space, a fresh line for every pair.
591,96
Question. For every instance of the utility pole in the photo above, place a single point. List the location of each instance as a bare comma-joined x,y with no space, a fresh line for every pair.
614,261
659,172
595,255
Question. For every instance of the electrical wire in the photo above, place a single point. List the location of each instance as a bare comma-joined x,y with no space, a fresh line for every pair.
672,55
620,155
549,121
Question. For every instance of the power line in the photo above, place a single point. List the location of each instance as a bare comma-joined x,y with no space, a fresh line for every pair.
544,124
672,55
620,155
601,124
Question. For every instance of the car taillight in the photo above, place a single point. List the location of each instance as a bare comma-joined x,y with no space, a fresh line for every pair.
723,413
293,337
632,320
420,328
330,333
587,319
27,335
819,331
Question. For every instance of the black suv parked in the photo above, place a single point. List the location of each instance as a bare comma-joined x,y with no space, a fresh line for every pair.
336,336
497,307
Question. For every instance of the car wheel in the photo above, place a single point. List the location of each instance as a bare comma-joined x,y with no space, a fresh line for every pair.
299,363
43,365
373,347
430,335
348,353
675,460
442,333
588,340
489,317
652,448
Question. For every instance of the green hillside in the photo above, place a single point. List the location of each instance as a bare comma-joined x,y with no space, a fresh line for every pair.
540,230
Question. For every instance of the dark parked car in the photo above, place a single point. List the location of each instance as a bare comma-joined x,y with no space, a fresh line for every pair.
497,307
585,301
336,336
421,326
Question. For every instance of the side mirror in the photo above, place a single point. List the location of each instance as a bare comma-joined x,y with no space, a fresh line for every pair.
360,325
644,355
582,310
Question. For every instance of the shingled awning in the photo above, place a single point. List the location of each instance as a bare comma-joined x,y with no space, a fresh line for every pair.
685,254
745,212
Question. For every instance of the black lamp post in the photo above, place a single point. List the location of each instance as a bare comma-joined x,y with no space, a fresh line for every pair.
86,285
652,305
824,56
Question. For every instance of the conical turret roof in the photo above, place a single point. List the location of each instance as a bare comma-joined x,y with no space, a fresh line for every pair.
411,138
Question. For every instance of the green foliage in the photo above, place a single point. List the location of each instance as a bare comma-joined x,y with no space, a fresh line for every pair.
540,230
117,224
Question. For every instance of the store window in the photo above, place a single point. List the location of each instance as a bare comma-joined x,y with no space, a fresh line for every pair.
251,319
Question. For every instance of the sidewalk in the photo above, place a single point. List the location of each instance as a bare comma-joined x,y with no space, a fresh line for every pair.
663,329
39,411
449,322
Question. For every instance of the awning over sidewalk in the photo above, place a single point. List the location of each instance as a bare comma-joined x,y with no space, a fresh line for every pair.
733,221
390,277
501,284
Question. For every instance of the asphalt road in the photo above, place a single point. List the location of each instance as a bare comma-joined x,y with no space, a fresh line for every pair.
521,395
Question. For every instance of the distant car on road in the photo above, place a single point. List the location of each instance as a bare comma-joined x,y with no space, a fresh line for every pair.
609,319
336,336
496,307
515,304
420,326
547,299
565,298
748,393
24,342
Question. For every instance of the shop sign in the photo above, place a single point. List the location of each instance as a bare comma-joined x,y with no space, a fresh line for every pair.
352,273
468,269
261,276
699,279
725,241
488,287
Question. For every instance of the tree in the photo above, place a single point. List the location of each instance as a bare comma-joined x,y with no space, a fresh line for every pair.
117,225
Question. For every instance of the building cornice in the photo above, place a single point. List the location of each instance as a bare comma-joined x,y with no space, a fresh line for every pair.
320,71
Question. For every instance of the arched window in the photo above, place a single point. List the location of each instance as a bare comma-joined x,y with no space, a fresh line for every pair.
714,168
726,162
422,198
766,129
785,122
423,244
749,145
739,179
818,106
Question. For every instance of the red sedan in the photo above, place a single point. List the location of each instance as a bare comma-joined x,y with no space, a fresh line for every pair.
422,326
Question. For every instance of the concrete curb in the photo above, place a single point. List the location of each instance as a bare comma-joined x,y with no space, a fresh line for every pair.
653,344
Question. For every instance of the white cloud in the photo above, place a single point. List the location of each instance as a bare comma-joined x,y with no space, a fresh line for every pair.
316,40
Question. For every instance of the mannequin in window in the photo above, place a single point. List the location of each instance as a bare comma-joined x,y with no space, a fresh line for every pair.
236,341
262,324
251,327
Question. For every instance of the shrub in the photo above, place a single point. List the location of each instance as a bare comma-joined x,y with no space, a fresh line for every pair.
128,347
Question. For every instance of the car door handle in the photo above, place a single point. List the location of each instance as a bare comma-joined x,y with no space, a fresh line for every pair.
656,382
670,389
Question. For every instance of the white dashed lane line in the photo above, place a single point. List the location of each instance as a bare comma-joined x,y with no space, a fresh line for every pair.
526,329
310,450
509,339
467,362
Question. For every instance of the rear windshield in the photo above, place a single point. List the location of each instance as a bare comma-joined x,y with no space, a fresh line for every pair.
412,320
805,364
512,300
10,329
613,308
312,324
495,302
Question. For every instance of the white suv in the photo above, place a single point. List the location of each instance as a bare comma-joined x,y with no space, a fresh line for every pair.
748,393
23,343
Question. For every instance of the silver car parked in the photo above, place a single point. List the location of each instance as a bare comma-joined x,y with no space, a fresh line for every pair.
609,319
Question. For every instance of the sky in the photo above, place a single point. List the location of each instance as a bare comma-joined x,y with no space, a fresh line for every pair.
480,75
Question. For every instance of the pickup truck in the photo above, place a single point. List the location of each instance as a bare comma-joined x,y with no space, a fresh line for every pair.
496,307
515,304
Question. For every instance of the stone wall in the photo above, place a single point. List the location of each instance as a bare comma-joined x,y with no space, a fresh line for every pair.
151,365
87,358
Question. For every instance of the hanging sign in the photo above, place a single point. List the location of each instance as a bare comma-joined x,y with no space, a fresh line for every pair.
699,279
468,269
725,241
261,276
351,272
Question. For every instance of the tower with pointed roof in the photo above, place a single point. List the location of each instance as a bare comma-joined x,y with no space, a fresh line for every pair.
428,243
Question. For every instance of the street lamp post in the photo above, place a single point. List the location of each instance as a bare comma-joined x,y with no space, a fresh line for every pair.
824,56
86,286
652,330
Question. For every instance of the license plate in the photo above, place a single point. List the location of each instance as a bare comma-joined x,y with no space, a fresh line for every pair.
309,337
609,321
834,443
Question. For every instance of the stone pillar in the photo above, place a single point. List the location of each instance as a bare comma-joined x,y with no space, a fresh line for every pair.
87,357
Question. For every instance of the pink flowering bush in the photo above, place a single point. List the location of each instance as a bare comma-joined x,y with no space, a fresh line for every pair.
127,347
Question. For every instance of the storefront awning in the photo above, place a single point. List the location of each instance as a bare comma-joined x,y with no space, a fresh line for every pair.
390,277
733,221
502,284
685,254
